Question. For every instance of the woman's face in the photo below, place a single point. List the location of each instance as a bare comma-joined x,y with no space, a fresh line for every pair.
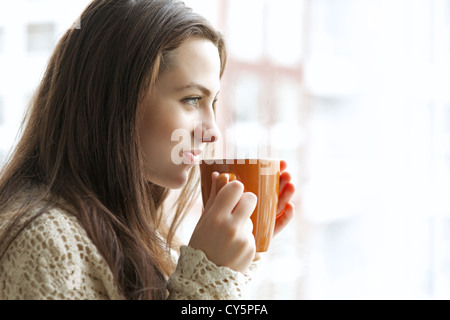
178,113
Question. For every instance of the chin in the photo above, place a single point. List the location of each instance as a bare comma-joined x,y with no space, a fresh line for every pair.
179,178
176,180
176,185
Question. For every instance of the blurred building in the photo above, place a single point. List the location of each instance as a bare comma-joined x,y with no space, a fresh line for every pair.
29,30
378,160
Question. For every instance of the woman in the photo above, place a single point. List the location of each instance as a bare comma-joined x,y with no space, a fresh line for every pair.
82,197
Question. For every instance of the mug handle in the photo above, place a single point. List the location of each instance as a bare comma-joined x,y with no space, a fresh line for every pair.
223,179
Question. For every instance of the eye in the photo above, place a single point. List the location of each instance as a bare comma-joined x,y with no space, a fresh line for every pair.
214,104
193,101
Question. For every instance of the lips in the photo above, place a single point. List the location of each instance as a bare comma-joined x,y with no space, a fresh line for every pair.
191,157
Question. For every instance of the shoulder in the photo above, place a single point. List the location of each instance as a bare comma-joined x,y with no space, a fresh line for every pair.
54,232
58,230
53,257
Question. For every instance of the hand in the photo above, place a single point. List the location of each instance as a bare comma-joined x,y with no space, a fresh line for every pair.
286,209
224,231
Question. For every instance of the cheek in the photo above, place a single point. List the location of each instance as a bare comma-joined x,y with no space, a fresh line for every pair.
157,144
156,137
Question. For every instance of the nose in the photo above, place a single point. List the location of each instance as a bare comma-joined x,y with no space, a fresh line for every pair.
211,135
208,128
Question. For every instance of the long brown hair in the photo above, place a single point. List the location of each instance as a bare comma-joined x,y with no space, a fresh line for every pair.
80,142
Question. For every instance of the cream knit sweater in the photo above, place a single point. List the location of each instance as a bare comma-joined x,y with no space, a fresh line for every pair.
53,258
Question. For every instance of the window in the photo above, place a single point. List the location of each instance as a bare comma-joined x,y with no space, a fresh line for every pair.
287,101
40,37
2,119
447,134
246,98
245,21
206,8
285,20
2,39
355,95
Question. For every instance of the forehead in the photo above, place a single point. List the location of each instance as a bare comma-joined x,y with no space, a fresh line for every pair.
195,61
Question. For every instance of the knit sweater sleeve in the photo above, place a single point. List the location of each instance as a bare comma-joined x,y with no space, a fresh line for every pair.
197,278
53,258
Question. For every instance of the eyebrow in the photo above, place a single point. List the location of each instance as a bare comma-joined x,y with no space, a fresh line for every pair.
197,86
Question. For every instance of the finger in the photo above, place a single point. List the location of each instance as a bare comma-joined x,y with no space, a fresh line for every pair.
222,180
285,178
214,178
212,194
284,219
248,226
228,198
246,206
285,197
283,165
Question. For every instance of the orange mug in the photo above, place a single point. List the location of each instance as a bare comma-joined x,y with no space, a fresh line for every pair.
259,176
